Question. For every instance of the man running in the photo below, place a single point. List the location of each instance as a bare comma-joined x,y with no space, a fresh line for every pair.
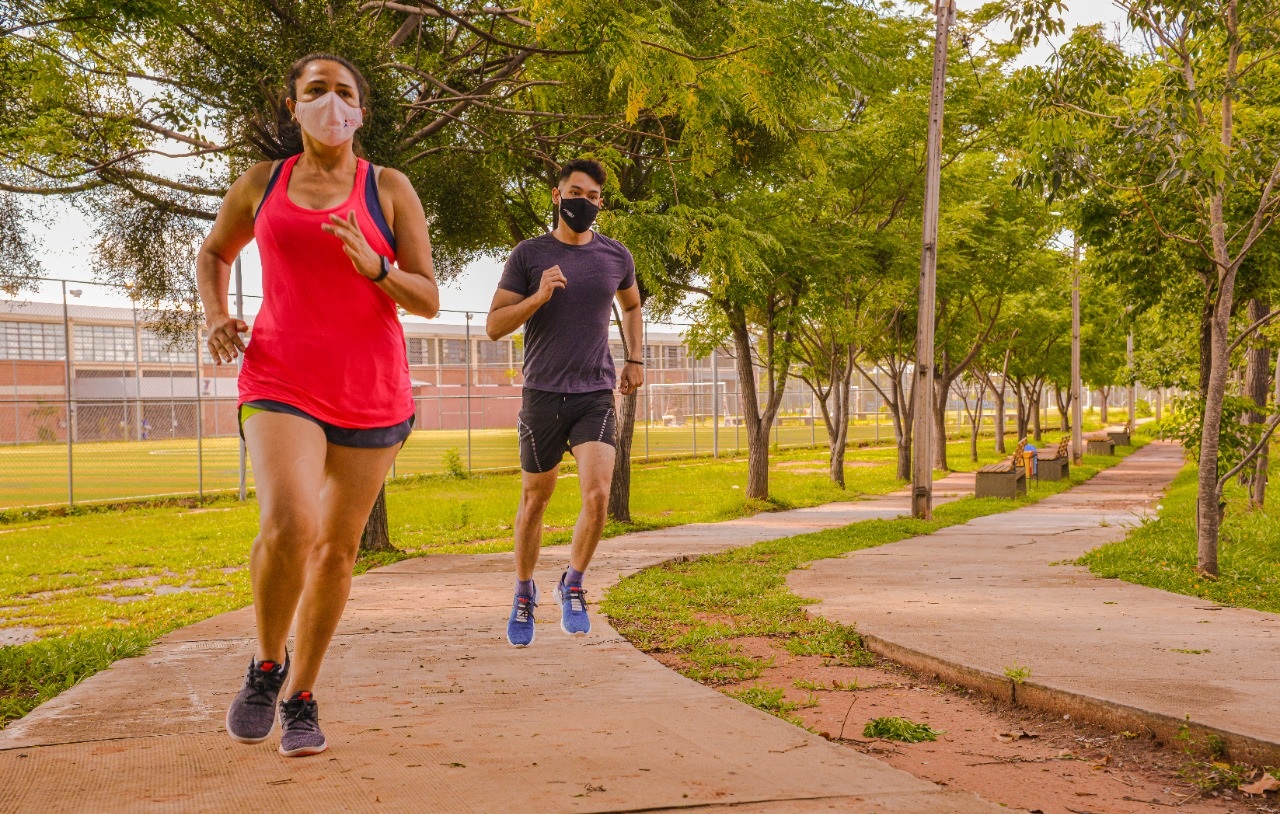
561,287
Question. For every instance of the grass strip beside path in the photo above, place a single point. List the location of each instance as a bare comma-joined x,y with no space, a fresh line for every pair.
694,610
1161,553
103,586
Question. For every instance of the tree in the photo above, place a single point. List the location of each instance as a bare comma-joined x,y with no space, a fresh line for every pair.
1169,132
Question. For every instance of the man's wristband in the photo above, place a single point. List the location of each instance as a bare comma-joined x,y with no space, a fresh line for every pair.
386,269
634,362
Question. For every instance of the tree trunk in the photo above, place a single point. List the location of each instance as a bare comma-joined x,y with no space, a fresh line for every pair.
620,488
376,537
998,396
1035,414
975,423
1209,495
1103,394
1022,411
941,388
1064,408
1259,493
837,419
757,428
1257,386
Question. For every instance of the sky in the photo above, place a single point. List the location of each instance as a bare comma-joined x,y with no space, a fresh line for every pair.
66,238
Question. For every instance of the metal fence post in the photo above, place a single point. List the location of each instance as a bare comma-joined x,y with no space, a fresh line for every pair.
693,378
813,419
199,420
137,367
715,404
66,355
468,362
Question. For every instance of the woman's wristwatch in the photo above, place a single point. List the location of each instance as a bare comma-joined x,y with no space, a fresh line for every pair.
386,269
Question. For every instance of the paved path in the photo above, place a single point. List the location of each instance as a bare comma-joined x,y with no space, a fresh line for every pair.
427,709
972,600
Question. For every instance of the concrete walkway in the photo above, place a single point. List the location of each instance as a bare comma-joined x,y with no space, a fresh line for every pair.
427,709
972,600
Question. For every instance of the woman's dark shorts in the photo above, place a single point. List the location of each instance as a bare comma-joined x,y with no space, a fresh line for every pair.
376,438
551,424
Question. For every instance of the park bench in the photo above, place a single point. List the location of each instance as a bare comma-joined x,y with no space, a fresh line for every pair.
1119,437
1099,443
1005,479
1055,463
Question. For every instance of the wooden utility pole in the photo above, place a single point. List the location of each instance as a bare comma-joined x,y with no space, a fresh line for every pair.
1133,391
922,390
1077,405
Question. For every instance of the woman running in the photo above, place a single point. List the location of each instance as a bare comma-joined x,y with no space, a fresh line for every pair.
325,399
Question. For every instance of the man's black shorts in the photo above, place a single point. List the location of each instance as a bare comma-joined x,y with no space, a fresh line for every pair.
552,423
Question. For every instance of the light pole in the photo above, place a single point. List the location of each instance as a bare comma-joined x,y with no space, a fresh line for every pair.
922,392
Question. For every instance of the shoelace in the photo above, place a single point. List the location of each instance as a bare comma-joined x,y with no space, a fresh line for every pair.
261,693
577,599
524,609
300,714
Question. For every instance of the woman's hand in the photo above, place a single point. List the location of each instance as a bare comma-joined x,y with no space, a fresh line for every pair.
363,257
224,340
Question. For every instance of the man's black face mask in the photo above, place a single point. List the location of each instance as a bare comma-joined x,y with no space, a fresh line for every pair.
578,213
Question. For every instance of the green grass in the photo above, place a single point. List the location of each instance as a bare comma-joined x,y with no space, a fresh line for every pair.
100,585
1161,553
696,610
899,729
36,474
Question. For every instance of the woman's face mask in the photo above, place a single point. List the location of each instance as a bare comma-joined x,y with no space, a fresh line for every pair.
329,120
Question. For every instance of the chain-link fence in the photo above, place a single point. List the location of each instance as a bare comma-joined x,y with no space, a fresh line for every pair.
95,405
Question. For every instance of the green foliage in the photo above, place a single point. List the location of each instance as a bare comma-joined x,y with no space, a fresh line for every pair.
1017,673
1161,552
32,673
1185,423
454,465
695,610
899,729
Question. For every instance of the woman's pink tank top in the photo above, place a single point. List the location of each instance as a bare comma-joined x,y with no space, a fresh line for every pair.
327,339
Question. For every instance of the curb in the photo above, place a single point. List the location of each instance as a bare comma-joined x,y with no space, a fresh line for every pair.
1110,715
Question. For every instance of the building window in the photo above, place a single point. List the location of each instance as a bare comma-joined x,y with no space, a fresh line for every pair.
671,356
495,354
651,356
103,343
453,351
422,351
160,350
31,340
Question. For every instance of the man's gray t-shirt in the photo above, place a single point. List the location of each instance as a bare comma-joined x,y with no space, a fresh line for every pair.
566,341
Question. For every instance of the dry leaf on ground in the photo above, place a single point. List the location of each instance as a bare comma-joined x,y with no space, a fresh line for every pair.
1262,785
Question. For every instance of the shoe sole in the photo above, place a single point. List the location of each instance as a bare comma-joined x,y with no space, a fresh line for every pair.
250,741
303,751
532,636
567,631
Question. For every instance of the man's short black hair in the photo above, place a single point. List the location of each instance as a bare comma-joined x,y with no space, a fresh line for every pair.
594,169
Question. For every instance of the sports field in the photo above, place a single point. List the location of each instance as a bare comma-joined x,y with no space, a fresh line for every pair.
36,474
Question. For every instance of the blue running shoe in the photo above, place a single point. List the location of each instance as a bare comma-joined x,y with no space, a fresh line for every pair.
573,608
520,627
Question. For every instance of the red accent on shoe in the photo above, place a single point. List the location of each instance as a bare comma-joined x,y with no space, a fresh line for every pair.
304,696
266,666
